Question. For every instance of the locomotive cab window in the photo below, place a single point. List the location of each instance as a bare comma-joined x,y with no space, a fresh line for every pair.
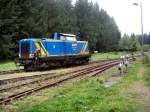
55,36
71,38
25,49
62,37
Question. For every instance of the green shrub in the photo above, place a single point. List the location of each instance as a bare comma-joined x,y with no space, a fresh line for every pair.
115,53
146,60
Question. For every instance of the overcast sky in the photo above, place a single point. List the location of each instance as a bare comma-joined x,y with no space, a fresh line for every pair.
127,15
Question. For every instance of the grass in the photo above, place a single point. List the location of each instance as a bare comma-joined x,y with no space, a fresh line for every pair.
87,96
146,62
147,74
104,56
7,66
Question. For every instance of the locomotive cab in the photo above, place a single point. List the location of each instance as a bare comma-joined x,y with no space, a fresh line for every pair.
24,50
27,48
63,37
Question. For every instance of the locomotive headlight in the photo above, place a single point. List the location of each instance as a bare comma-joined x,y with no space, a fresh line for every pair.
31,55
19,55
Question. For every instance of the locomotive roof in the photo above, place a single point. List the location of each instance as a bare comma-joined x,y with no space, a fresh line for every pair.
41,38
70,35
31,38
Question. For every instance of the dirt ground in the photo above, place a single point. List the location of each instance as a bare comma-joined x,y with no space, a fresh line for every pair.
143,94
138,91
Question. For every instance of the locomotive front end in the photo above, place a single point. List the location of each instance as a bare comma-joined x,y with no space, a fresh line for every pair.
25,54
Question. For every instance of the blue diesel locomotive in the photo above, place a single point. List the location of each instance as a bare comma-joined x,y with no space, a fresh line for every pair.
60,49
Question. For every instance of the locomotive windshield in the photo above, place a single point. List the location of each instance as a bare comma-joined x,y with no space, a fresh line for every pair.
71,38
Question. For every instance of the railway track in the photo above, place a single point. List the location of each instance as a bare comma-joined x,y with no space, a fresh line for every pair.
12,93
11,71
33,75
17,82
22,70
